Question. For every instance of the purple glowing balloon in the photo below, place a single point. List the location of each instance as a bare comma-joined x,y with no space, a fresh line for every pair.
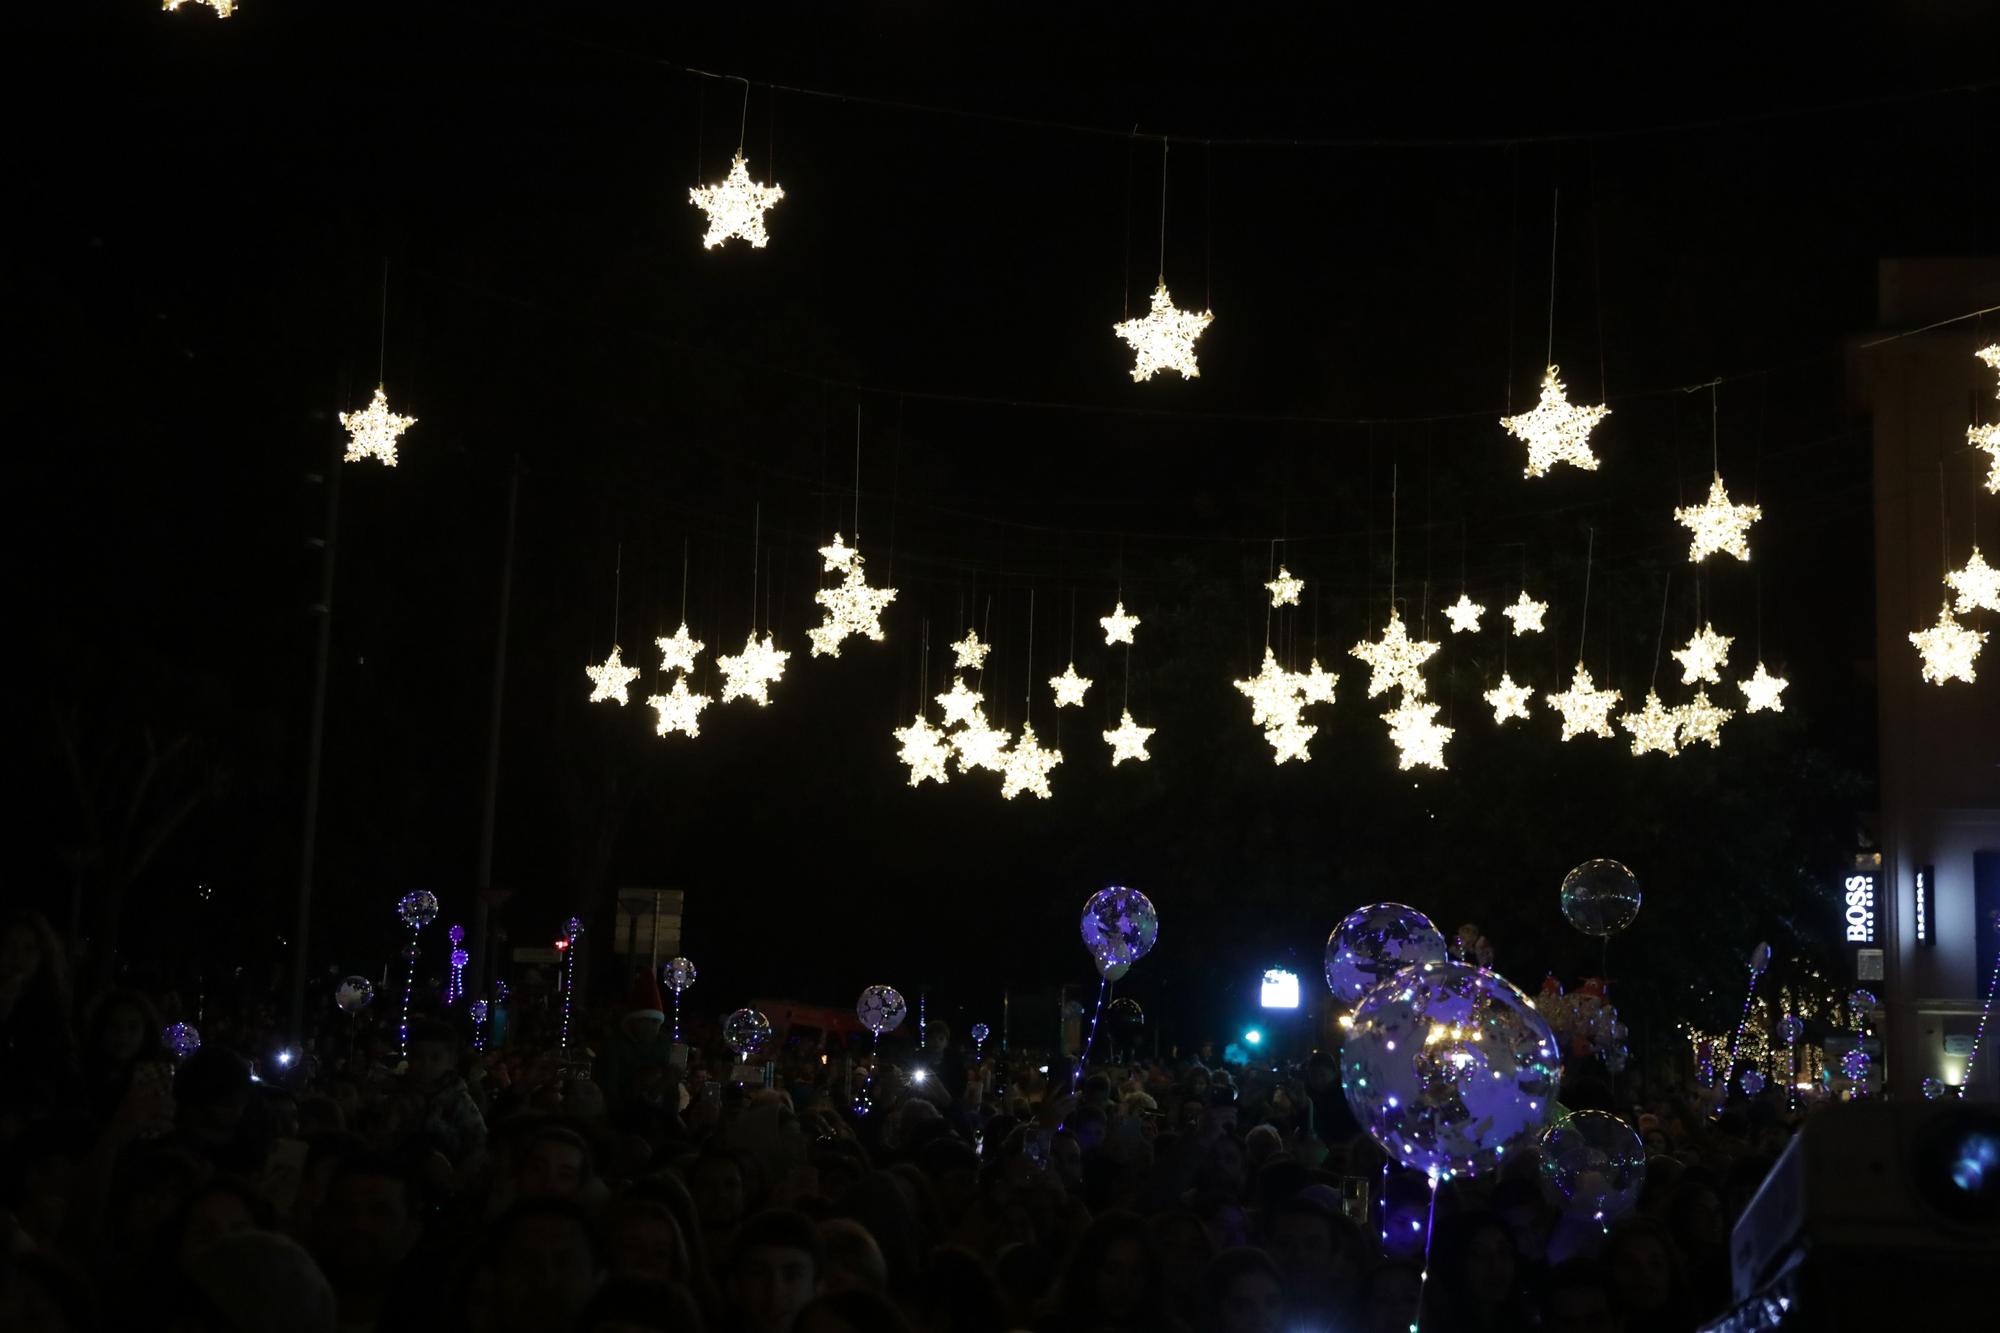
1372,944
1120,926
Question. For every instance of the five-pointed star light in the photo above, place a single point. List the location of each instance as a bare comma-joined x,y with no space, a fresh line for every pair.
1948,648
1718,525
1128,740
1274,693
1285,589
979,744
1556,431
1991,356
1027,767
678,653
852,607
1414,731
751,673
1464,615
1703,656
610,677
223,8
1316,685
1526,613
1977,585
1118,626
1069,687
960,705
924,749
1761,691
1163,338
1585,709
372,432
1289,740
1653,726
1394,660
836,556
735,207
1988,439
679,709
1508,699
969,652
1701,721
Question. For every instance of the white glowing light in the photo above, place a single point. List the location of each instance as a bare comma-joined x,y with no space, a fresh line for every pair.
1128,740
1508,699
1464,615
1991,356
1701,721
1948,648
1653,727
980,745
1718,525
1274,694
678,709
1289,739
1285,589
1069,687
751,673
1027,766
1163,339
1316,686
1556,431
1118,626
679,652
960,705
736,207
1394,660
1414,731
1977,585
372,432
1761,691
924,749
969,652
1526,613
852,607
1703,656
610,677
836,556
223,8
1585,709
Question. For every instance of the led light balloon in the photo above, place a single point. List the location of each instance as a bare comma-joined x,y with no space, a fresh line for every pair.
1375,943
1600,897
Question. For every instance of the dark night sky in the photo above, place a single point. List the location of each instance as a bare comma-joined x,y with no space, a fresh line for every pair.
205,209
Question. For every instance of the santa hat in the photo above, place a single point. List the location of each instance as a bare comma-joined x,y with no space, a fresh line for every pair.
644,999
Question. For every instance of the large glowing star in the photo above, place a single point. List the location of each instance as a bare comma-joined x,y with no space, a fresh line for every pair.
959,703
924,749
1508,699
1118,626
736,207
1288,741
1585,709
1991,356
1987,438
1653,727
1977,585
969,653
679,652
223,8
1718,525
1464,615
1761,691
372,432
852,607
678,709
610,677
1395,659
979,744
1128,740
1948,648
751,673
1163,339
1069,687
1027,766
1701,721
1414,731
1556,431
1285,589
1274,694
1526,613
1703,656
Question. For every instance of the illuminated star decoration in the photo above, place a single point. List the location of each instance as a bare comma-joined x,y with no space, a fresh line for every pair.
1585,709
736,207
1316,686
924,749
979,744
678,709
1718,525
1285,589
1128,740
1508,699
1526,613
1395,659
1977,585
969,652
1414,731
1704,655
1761,691
1701,721
1163,338
751,673
1288,740
1556,431
679,652
1069,687
1027,766
1991,356
223,8
837,555
852,607
959,704
1948,648
1274,694
1652,726
372,432
1987,438
1118,626
1464,615
610,677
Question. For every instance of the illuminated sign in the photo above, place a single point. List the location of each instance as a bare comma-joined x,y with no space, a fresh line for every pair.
1927,906
1281,989
1861,909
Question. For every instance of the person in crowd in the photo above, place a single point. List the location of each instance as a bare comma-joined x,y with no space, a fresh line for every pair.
364,1233
1390,1297
1475,1278
851,1312
1112,1281
1578,1299
854,1261
1241,1293
1647,1287
639,1045
774,1272
1315,1251
36,1049
641,1305
443,1107
542,1265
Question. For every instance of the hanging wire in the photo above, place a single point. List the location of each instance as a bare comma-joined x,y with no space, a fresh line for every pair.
1555,220
382,348
743,127
617,589
1589,550
756,540
1028,711
1660,643
1163,212
857,474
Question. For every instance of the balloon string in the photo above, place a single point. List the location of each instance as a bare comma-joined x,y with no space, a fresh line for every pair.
1424,1275
1742,1021
1083,1056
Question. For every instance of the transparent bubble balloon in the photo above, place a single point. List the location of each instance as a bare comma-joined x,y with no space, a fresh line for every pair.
1109,970
354,994
1790,1028
1375,943
459,958
417,908
573,927
1854,1065
456,934
746,1032
881,1009
182,1039
678,973
1760,958
1120,926
1936,1089
1449,1067
1864,1002
1593,1164
1600,897
980,1032
477,1009
1751,1081
1125,1012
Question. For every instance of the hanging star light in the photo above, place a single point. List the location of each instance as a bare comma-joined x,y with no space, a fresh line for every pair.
610,677
1316,686
1395,659
960,705
1274,693
1163,338
837,555
1464,615
1701,721
852,607
1761,691
1069,687
679,652
924,749
1652,726
1585,709
736,207
1977,585
825,638
1991,356
1285,589
678,709
1414,731
1556,431
223,8
1508,699
969,652
1948,648
980,745
1027,766
372,432
1118,626
1288,740
751,673
1128,740
1703,656
1526,613
1988,439
1718,525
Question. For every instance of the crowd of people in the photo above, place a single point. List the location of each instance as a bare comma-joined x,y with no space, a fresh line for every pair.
377,1180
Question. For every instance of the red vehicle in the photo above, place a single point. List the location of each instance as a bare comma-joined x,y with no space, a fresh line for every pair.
809,1027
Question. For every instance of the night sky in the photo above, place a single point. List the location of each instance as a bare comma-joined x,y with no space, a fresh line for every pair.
201,220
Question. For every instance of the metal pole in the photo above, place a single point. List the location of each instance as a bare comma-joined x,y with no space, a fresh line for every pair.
483,880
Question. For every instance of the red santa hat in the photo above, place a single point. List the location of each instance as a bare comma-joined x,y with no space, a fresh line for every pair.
643,1001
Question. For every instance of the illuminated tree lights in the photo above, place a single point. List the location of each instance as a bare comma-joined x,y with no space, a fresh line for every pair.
1556,431
678,653
1526,613
1163,338
678,709
1285,589
1069,687
1128,740
736,207
372,432
1703,656
1508,699
1026,767
1948,648
925,749
610,678
1977,585
1464,615
1585,709
751,673
1653,727
1118,626
1718,525
1761,691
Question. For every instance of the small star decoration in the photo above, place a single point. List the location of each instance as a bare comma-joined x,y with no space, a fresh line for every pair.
1316,686
1027,767
1288,740
1128,740
1464,615
678,709
610,677
979,744
1701,721
1761,691
1585,709
1274,694
223,8
736,207
1508,699
1977,585
852,607
372,432
1718,525
1526,613
1948,648
836,556
1704,655
925,750
1069,687
1118,626
969,652
959,704
1163,339
1285,589
751,673
1395,659
679,652
1556,431
1988,439
1416,735
1652,727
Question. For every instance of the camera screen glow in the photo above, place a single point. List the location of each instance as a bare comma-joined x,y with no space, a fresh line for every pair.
1281,989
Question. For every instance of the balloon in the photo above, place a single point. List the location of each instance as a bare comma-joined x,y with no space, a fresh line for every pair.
1751,1081
746,1031
1790,1028
1600,897
1374,943
1125,1010
573,927
1854,1065
1935,1089
1593,1163
459,958
1863,1002
678,973
1120,926
1111,971
1449,1067
456,934
1586,1024
881,1009
477,1009
354,994
417,908
980,1032
181,1039
1760,958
